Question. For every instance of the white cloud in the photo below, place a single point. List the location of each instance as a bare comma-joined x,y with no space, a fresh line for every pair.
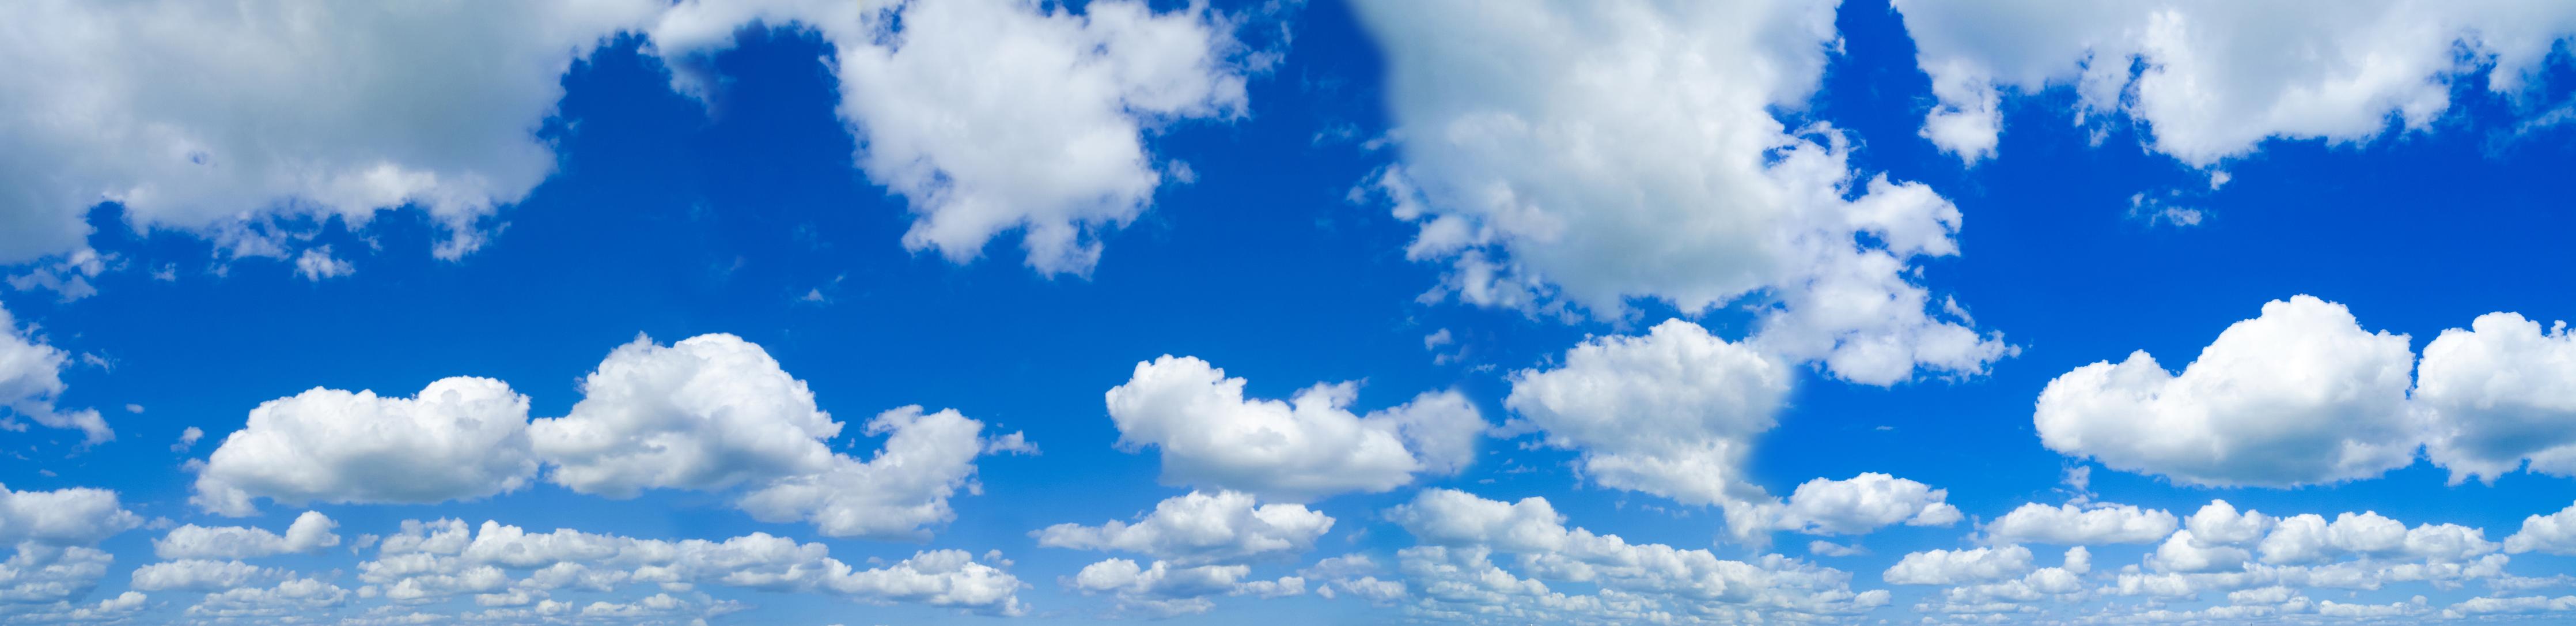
1164,590
2554,533
39,572
2071,524
1455,572
2211,80
927,457
31,379
210,118
1952,567
1311,446
2299,395
1199,528
309,533
202,575
62,517
1584,154
2499,393
316,263
1671,413
991,116
459,438
707,413
1864,503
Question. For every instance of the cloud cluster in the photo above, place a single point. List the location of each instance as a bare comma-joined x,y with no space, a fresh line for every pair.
710,413
1311,446
2302,394
1587,154
1199,528
31,379
2211,80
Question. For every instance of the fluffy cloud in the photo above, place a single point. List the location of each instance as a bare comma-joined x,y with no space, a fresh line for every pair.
2498,393
2298,395
1951,567
999,115
201,575
2554,533
1201,528
310,532
2211,80
1461,534
1164,590
2071,524
1309,447
707,413
1864,503
31,378
459,438
1590,153
39,573
1671,413
212,117
62,517
927,457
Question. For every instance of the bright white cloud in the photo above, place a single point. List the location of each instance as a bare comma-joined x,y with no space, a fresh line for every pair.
2071,524
62,517
2498,393
310,532
1456,573
1671,413
2212,80
1198,528
1588,153
1164,590
927,458
1864,503
215,117
2299,395
202,576
1311,446
1951,567
459,438
31,379
1000,115
707,413
2554,533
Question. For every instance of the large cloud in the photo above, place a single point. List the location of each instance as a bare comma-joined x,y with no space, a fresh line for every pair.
2498,393
2211,80
31,378
213,116
999,115
62,517
2298,395
459,438
1589,153
1312,446
1671,413
1198,528
927,457
709,412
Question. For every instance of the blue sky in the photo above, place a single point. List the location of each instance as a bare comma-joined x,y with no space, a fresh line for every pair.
1598,313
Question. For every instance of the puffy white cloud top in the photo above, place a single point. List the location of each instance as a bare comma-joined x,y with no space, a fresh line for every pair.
2211,80
1198,528
2299,395
2497,393
459,438
310,532
1671,413
1587,153
709,412
1311,446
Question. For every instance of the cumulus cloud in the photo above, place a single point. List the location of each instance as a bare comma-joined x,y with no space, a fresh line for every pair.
1311,446
2554,533
2299,395
63,517
1671,413
1864,503
1199,528
2499,393
459,438
309,533
1585,154
1951,567
2071,524
31,379
927,458
202,576
1164,590
1461,534
2212,80
709,412
212,118
998,115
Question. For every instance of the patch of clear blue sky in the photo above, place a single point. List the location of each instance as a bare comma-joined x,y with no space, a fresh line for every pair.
672,219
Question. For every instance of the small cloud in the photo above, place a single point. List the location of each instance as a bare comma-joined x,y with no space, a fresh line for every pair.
187,438
134,408
317,263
